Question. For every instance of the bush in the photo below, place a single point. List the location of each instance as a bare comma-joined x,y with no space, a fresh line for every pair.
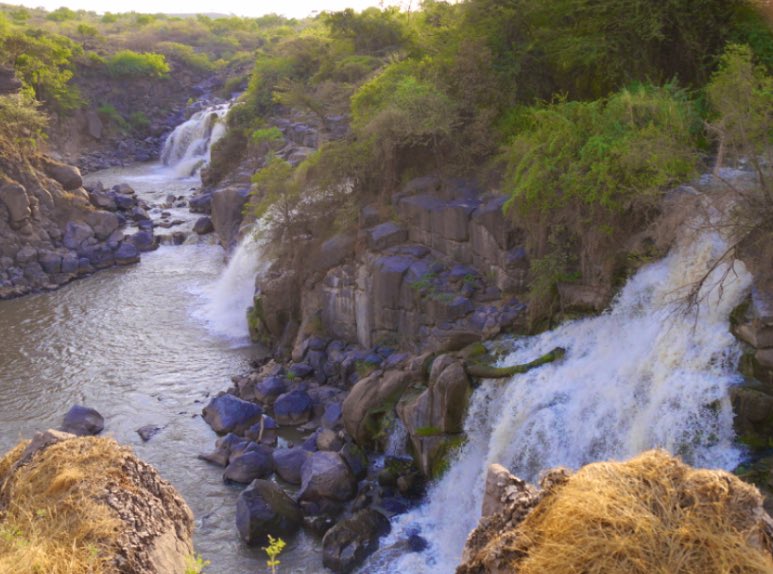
128,63
615,154
21,122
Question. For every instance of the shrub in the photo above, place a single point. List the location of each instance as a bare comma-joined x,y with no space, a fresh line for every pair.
128,63
21,122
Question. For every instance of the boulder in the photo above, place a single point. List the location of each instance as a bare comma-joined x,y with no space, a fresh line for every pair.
355,459
126,254
50,262
350,541
68,176
75,234
325,475
201,203
369,400
123,189
102,200
144,240
103,223
203,226
335,251
94,125
228,413
269,389
147,432
328,439
252,463
262,509
265,431
288,463
15,198
83,421
293,408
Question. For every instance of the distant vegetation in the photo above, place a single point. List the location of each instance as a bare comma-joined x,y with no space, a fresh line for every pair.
584,112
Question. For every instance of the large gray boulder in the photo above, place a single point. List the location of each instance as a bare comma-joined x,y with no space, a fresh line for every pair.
293,408
252,463
15,198
352,540
228,413
325,475
227,206
262,509
83,421
288,463
67,175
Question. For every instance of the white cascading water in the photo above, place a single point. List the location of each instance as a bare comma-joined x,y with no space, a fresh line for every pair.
226,301
643,375
188,148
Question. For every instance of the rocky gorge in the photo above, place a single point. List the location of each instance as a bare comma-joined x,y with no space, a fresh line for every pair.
345,334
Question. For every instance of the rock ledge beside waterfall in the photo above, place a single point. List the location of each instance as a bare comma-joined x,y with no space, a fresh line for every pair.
650,514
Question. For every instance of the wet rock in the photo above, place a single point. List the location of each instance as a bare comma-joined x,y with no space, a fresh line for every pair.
83,421
269,389
333,416
326,475
368,401
200,203
262,509
228,413
126,254
355,459
75,234
98,256
223,447
264,432
288,463
203,226
123,189
124,202
350,541
148,432
144,240
249,465
293,408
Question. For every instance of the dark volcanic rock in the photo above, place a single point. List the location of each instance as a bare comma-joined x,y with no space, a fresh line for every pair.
262,509
350,541
83,421
249,465
293,408
326,475
288,463
203,226
228,413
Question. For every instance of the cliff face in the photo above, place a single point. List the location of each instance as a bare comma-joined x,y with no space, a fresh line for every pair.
85,504
51,231
650,514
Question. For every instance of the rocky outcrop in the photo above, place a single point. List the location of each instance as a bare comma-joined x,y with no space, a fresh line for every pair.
52,230
66,496
446,272
650,514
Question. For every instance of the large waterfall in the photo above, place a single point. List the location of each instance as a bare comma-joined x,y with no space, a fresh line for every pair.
227,299
188,147
645,374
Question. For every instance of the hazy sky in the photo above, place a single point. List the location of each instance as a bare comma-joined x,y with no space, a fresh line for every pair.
293,8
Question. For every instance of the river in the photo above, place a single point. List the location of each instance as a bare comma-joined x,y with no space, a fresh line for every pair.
138,344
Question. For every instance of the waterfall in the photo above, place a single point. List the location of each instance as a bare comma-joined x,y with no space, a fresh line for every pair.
643,375
187,149
225,302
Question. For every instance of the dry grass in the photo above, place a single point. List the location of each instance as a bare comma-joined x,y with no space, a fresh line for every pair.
650,515
50,522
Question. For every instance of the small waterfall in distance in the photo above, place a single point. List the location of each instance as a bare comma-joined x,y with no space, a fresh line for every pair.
642,375
227,299
188,148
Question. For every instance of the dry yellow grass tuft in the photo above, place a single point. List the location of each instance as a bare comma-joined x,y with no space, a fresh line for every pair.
50,522
650,515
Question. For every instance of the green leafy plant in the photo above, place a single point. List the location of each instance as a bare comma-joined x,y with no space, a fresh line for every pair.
128,63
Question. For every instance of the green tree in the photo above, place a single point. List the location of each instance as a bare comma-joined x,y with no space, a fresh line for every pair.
741,94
